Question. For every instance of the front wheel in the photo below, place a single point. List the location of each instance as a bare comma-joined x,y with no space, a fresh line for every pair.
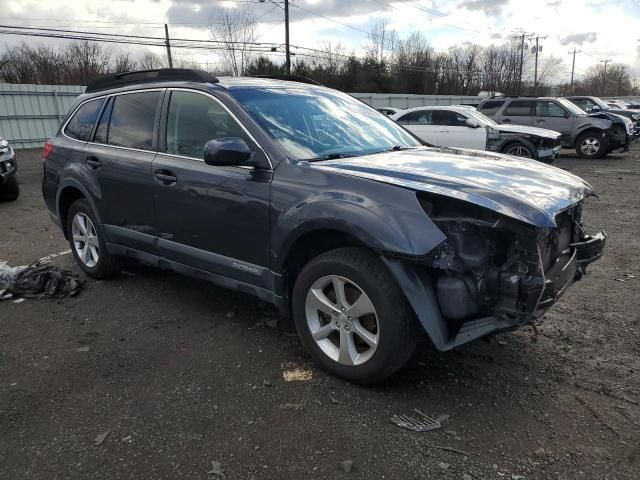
518,149
351,316
11,191
591,145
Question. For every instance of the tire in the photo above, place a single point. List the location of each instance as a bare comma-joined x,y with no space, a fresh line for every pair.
518,149
586,143
11,191
393,325
90,253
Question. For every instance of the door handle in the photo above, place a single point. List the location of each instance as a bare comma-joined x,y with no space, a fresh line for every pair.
93,162
443,131
540,121
165,177
506,120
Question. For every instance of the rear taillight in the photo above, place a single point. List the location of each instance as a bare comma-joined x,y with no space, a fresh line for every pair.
48,150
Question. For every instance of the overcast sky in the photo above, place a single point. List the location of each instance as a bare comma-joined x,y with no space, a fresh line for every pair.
600,28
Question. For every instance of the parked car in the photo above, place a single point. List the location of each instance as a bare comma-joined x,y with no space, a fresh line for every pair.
464,127
309,199
9,187
592,136
595,105
389,111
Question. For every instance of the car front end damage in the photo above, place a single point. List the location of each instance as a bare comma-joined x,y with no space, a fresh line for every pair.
621,134
492,273
8,164
545,148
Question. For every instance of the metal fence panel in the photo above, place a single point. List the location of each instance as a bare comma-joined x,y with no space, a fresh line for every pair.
379,100
29,114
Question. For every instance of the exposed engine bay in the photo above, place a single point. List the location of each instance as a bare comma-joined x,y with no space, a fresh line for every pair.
491,265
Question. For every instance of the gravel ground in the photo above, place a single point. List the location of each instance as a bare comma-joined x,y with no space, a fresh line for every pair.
187,380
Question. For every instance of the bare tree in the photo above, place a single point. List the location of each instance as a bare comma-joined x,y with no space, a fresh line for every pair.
381,42
151,61
549,69
236,29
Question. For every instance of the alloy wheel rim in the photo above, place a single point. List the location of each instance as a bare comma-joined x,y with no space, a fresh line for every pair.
342,320
590,146
519,151
85,240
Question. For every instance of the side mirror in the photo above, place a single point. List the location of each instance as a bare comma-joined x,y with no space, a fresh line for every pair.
229,151
471,123
595,108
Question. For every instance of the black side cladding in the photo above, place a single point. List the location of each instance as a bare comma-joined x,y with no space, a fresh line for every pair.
115,80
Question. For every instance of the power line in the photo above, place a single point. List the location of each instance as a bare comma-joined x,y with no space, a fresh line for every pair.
331,19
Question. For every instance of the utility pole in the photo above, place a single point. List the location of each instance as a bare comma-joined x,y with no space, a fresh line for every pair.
286,38
535,74
604,77
166,35
521,60
620,79
573,66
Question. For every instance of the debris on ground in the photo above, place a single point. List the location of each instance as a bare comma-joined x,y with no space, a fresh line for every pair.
99,440
296,374
216,469
83,349
38,280
347,465
335,401
540,453
443,466
292,406
423,423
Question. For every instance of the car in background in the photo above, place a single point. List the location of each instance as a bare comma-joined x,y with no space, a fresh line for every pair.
464,127
389,111
9,188
595,105
592,136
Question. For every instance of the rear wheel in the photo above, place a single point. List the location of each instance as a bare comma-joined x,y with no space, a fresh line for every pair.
518,149
87,241
352,317
591,145
11,191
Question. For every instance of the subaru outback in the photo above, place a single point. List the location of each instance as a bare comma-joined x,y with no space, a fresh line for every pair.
311,200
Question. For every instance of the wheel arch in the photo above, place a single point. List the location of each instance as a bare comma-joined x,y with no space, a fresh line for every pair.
67,194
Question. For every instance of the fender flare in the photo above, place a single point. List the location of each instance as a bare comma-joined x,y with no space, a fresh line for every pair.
72,182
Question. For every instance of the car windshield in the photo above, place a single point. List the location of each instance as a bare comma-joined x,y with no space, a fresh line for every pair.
315,124
481,118
570,106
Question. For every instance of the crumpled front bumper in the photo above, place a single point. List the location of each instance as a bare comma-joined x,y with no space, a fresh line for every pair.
567,268
8,166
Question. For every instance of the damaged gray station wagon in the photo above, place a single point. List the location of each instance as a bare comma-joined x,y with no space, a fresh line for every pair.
311,200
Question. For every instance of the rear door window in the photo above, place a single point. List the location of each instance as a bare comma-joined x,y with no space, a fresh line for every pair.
81,124
132,121
549,109
491,107
520,108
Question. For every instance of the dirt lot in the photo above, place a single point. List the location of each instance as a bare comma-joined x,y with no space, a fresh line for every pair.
182,374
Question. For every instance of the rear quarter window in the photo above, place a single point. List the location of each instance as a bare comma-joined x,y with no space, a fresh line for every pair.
81,124
491,107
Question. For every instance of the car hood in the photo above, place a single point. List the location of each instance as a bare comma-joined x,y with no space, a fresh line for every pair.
540,132
526,190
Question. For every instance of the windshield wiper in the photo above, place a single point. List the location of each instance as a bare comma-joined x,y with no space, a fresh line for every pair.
331,156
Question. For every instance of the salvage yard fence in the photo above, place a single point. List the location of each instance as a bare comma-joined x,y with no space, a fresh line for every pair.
29,114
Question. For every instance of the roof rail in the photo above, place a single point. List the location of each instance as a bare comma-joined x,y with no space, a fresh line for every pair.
290,78
114,80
